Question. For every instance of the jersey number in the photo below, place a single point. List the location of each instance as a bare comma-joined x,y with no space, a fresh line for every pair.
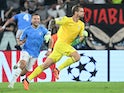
26,17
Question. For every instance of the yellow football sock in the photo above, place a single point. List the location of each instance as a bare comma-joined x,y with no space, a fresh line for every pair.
36,72
68,62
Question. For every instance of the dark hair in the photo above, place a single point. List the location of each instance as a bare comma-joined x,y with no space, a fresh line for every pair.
75,8
23,9
35,14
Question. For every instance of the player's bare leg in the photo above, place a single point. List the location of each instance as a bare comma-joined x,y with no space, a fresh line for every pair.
48,62
17,73
56,73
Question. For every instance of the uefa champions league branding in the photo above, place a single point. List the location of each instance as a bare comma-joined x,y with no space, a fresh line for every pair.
84,70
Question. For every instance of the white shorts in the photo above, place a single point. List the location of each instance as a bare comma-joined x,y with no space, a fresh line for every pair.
30,61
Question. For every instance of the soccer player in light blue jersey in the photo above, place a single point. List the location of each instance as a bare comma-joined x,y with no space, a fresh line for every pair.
34,37
23,20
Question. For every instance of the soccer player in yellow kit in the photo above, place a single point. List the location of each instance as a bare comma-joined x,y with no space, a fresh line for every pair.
70,28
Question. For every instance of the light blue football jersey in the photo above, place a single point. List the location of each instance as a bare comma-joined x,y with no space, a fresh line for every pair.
34,39
23,20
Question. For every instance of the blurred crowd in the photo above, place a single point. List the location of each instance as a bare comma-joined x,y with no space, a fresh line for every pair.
47,9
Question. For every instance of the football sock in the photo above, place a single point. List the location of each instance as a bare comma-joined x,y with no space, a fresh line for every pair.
16,74
18,64
35,73
68,62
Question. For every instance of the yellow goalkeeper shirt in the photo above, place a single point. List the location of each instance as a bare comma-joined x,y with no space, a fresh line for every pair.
69,29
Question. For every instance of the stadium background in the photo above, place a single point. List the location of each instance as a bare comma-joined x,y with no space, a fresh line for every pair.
109,60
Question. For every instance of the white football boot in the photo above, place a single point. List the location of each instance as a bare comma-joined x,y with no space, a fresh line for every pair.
11,85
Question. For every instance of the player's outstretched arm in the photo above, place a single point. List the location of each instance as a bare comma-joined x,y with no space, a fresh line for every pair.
6,23
79,39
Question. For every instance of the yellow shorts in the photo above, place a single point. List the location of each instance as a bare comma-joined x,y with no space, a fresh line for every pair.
61,49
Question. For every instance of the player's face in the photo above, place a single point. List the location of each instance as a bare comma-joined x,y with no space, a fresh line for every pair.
81,12
35,20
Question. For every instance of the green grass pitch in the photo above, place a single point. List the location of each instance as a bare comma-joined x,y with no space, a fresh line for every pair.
66,87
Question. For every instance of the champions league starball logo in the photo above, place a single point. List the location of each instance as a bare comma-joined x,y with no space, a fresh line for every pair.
84,70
